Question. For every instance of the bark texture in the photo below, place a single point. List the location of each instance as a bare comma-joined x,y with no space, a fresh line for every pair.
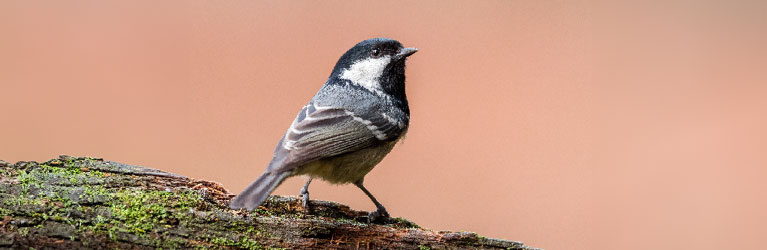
83,202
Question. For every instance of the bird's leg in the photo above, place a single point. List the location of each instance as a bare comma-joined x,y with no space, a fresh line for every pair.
380,210
305,194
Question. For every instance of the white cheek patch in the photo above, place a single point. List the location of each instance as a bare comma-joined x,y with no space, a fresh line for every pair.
366,72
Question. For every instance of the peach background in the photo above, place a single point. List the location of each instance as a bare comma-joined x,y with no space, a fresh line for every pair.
563,124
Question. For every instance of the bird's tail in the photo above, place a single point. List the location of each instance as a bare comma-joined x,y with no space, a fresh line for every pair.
258,191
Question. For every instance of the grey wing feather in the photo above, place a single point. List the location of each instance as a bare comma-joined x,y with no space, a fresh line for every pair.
320,132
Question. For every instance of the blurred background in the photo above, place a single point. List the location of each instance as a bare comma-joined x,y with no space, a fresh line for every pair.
562,124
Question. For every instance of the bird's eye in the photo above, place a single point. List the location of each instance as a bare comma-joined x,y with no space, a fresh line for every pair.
375,53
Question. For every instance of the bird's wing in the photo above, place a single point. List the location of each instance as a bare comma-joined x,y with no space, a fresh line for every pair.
319,132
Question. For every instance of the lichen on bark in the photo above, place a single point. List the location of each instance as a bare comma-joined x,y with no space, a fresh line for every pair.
83,202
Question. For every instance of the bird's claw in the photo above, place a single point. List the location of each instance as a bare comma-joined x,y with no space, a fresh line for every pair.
305,201
378,215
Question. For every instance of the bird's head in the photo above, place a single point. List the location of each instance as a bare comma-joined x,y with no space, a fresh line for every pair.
376,64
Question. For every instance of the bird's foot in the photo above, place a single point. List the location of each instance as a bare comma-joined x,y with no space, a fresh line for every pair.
380,215
305,201
304,192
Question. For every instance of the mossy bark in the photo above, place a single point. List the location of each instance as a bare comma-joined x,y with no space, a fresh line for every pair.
81,202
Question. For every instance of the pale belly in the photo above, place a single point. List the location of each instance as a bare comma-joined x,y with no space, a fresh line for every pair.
346,168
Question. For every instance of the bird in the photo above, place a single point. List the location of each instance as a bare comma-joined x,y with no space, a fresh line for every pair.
346,129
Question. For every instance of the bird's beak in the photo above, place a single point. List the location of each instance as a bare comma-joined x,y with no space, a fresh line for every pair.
406,52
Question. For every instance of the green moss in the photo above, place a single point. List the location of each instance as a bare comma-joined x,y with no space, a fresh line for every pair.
422,247
68,193
24,231
70,176
94,192
25,179
402,222
263,212
142,211
44,196
243,242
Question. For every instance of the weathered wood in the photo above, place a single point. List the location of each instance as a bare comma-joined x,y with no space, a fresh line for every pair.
81,202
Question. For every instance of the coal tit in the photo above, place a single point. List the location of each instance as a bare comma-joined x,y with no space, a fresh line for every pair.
352,122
